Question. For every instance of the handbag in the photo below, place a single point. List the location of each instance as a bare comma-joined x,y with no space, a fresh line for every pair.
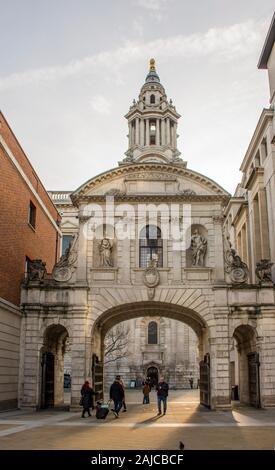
81,401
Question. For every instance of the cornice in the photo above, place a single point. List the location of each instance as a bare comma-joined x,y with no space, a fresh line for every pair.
255,174
130,169
222,198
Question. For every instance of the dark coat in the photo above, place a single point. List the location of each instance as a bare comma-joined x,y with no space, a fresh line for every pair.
87,397
116,391
162,389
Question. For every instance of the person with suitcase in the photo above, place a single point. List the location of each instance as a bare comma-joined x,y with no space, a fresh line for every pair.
117,395
87,398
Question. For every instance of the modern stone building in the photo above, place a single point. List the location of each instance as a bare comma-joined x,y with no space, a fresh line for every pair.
155,242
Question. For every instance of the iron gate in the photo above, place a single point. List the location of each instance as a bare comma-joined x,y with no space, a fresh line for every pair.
47,385
205,381
254,379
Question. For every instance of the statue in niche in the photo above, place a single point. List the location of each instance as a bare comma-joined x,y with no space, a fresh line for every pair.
105,251
36,270
198,247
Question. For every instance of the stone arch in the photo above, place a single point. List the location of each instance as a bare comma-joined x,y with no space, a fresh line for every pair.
116,314
51,383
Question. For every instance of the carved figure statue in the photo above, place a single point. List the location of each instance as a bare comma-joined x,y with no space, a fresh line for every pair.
198,247
64,259
36,270
263,270
234,266
105,251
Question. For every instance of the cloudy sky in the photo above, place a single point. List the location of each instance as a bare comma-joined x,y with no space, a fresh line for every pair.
70,69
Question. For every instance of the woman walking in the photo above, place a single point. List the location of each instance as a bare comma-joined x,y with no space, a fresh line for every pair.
87,400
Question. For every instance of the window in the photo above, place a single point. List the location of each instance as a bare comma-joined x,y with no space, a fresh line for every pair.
152,132
152,333
152,99
66,239
150,246
32,214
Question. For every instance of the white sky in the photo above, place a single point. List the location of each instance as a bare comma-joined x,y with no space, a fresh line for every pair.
70,69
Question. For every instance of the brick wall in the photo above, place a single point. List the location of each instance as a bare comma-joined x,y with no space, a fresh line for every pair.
17,238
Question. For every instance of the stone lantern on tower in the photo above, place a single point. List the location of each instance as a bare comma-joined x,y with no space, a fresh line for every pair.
152,122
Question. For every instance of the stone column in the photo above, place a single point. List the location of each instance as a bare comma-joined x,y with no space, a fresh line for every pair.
130,136
266,350
141,132
162,132
157,133
256,230
218,244
147,132
81,273
175,135
168,140
265,252
137,131
78,353
220,362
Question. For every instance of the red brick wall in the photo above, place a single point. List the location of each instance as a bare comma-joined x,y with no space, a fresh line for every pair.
17,238
25,164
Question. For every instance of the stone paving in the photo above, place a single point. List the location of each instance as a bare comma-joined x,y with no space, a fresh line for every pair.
141,428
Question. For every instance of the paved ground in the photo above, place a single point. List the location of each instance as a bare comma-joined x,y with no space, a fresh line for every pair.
141,428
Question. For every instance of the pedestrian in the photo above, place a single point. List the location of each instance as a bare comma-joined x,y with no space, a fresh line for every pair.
162,393
117,395
191,381
123,386
198,383
146,390
87,398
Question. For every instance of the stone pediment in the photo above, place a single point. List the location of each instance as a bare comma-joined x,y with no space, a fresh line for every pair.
148,179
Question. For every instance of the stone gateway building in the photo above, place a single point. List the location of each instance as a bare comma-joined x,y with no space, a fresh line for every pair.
155,244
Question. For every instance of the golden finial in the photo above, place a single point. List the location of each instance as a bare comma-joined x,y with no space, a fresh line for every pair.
152,65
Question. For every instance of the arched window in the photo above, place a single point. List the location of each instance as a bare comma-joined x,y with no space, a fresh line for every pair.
153,332
150,246
152,99
152,132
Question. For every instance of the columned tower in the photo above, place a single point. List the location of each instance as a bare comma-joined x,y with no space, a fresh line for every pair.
152,124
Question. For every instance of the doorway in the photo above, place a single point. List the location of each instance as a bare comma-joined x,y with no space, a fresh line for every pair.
47,398
247,366
153,375
55,379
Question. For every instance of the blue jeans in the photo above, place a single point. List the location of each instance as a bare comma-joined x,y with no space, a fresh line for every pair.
146,400
118,405
164,400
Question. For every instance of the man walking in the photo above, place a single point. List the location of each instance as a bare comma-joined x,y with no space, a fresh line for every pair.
162,394
117,395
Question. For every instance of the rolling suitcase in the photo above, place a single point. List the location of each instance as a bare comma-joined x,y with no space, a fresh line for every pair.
102,410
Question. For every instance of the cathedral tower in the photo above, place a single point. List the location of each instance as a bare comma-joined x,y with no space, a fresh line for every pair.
152,124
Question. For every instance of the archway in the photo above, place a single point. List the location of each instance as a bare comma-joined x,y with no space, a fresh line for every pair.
245,376
153,375
118,314
52,383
